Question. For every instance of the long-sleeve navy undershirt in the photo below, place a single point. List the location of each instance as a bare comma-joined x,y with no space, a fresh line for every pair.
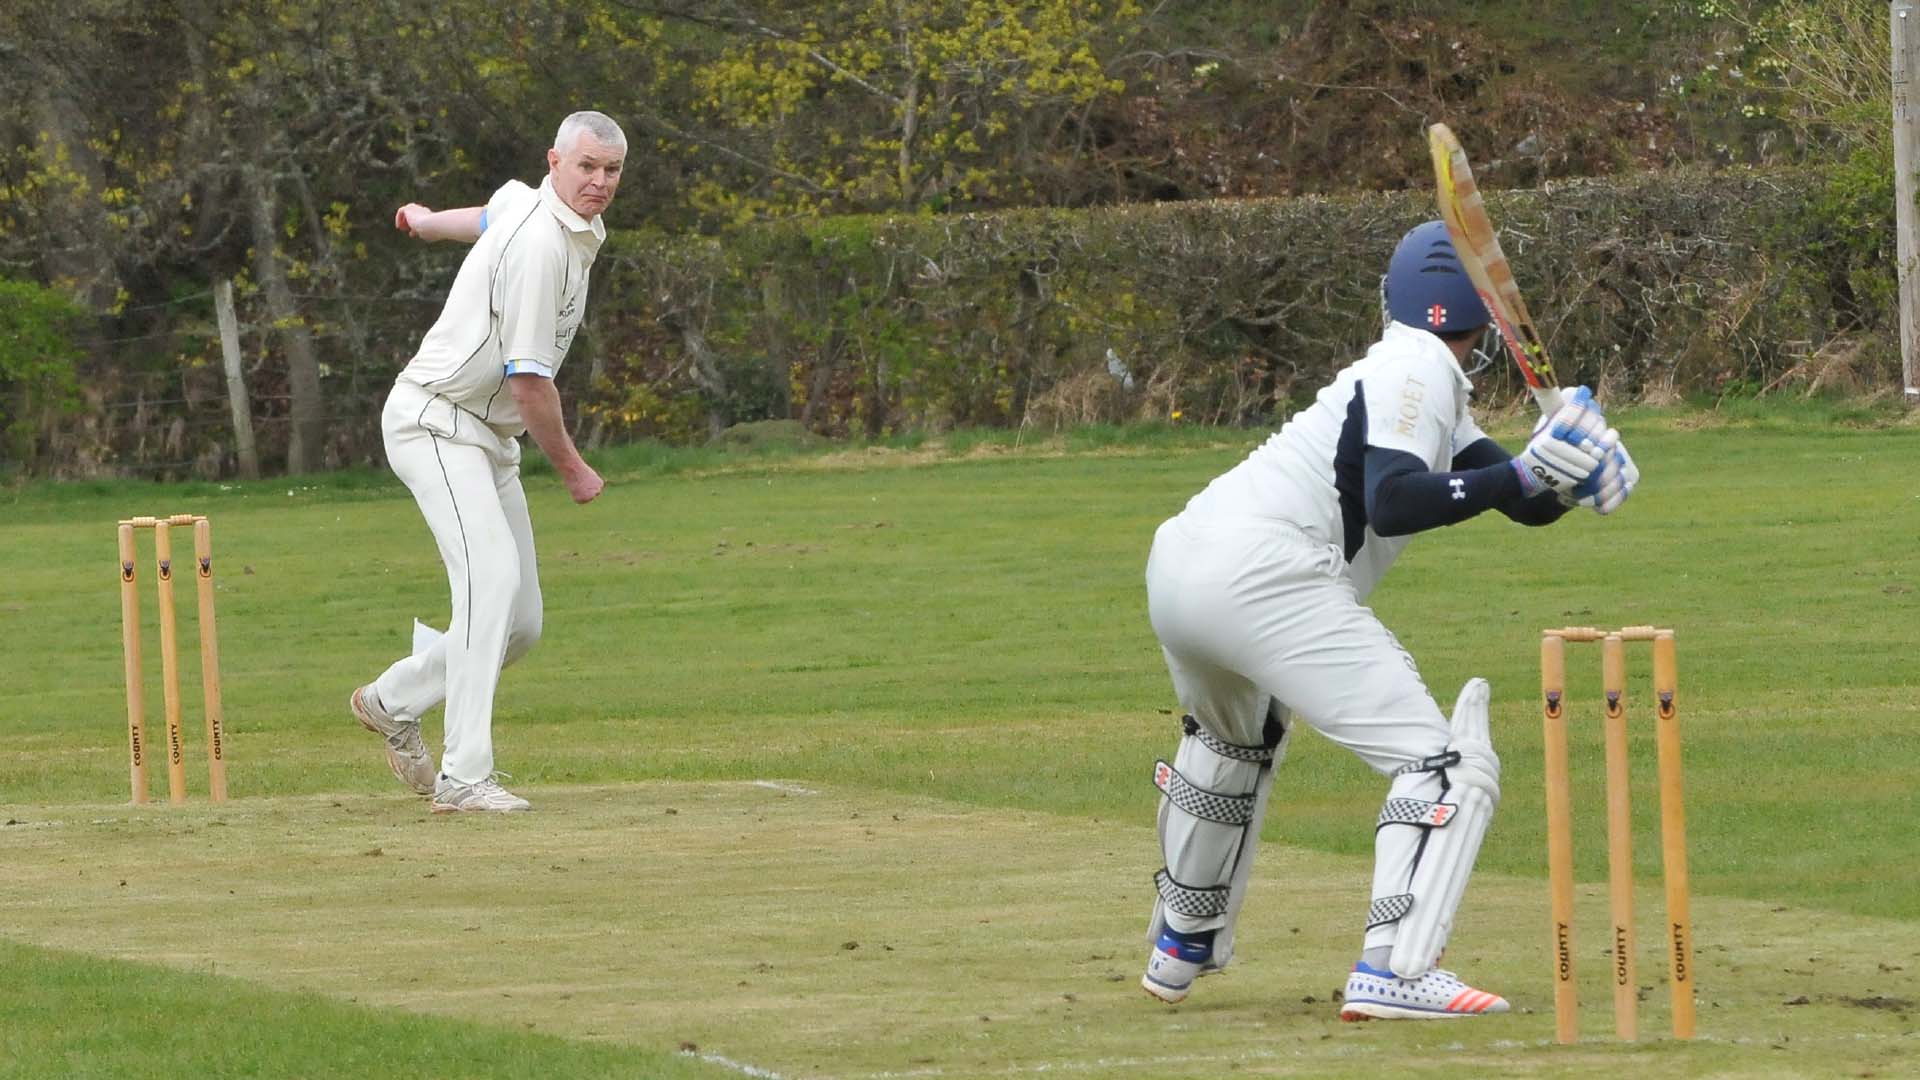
1403,497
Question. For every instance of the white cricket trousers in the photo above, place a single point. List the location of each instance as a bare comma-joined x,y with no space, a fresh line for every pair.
466,479
1249,609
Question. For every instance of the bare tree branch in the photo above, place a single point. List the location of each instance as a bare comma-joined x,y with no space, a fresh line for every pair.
653,120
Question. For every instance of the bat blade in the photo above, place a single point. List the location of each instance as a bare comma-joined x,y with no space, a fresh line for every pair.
1478,246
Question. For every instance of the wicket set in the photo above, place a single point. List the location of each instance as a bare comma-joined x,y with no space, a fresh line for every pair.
169,657
1673,826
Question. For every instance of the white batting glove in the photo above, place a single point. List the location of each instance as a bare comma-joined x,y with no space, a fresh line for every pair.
1604,487
1565,451
1628,468
1583,397
1618,476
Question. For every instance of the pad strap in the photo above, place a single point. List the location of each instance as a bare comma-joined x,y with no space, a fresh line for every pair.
1404,811
1436,763
1198,801
1262,754
1187,900
1389,909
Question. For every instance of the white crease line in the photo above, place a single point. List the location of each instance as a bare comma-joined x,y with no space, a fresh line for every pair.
729,1063
778,785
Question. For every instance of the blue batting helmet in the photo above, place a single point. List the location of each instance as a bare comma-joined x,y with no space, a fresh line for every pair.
1426,287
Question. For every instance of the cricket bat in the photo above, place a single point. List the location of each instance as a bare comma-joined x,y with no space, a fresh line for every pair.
1478,246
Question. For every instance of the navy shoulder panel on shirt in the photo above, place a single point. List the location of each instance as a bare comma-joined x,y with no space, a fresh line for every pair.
1350,471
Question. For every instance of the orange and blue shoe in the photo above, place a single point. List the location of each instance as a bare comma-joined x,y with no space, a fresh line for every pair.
1438,995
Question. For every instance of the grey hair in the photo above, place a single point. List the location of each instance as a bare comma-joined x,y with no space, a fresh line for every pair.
597,124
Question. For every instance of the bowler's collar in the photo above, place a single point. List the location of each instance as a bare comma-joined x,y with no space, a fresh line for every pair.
568,217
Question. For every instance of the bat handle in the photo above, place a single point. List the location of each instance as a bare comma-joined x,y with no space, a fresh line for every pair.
1548,398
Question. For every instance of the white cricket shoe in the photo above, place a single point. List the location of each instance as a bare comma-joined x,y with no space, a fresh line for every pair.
450,796
1176,960
1437,995
406,753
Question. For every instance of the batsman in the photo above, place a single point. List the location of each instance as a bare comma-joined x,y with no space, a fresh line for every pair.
1257,591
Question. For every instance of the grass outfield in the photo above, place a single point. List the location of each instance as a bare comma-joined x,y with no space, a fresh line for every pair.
841,768
66,1015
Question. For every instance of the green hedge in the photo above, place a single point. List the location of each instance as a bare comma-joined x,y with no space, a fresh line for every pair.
38,327
1653,286
1229,311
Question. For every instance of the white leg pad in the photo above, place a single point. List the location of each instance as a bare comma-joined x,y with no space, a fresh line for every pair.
1213,803
1452,829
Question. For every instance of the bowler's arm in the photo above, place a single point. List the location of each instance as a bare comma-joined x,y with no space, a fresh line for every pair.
540,410
465,224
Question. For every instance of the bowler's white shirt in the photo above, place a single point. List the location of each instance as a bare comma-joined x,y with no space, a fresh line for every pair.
1413,397
514,306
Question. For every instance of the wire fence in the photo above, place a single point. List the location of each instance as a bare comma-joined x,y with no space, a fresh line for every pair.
154,397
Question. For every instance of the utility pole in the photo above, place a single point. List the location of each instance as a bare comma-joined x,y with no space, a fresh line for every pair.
1906,140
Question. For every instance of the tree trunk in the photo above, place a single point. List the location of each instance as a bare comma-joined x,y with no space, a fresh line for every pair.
80,260
237,400
590,432
909,130
910,110
307,420
705,368
782,351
